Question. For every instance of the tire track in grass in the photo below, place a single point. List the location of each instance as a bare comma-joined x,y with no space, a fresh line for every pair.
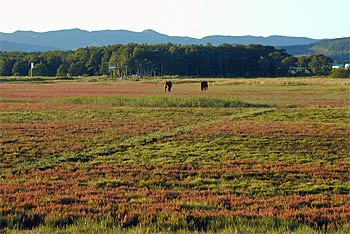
157,136
99,154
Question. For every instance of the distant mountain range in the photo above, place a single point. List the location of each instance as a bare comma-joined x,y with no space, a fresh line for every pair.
338,49
16,46
76,38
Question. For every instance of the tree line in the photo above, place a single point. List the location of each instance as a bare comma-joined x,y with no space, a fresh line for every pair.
165,59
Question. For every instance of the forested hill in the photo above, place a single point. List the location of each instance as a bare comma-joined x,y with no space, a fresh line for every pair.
15,46
337,49
75,38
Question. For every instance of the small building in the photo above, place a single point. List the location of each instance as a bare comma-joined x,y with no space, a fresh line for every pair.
337,66
298,71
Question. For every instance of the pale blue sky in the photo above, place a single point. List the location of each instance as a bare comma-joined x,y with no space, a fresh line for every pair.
195,18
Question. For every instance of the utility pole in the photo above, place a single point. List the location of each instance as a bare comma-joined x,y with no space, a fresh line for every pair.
31,69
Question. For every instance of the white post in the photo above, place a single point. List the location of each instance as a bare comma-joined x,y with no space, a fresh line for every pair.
31,69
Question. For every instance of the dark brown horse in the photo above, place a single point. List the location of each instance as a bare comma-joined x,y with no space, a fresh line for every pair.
204,85
168,85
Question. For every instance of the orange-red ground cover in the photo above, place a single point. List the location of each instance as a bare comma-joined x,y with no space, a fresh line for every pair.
59,162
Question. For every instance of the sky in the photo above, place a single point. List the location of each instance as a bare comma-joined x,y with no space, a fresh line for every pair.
195,18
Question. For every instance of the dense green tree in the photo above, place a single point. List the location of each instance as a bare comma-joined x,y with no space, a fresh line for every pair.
20,68
41,69
77,69
288,63
276,63
53,61
94,61
166,59
320,65
63,70
124,59
6,66
303,65
103,66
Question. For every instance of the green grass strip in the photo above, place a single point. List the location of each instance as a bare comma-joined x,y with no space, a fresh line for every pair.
157,136
156,101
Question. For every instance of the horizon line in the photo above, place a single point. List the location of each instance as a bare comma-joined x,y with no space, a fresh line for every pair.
145,30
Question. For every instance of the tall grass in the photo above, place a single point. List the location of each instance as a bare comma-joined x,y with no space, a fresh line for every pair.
234,225
156,101
14,100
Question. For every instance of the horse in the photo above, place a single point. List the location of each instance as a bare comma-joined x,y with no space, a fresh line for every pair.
204,85
168,85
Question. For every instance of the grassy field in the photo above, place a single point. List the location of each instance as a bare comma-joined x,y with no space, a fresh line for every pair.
246,156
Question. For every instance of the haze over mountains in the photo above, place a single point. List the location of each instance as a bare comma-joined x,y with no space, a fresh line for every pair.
71,39
75,38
